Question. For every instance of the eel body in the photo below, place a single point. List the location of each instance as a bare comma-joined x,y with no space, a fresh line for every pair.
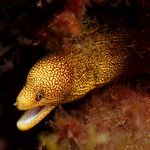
84,63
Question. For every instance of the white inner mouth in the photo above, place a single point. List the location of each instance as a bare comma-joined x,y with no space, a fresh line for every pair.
33,116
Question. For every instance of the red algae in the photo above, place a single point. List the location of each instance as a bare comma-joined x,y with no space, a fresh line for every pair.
115,119
77,7
65,24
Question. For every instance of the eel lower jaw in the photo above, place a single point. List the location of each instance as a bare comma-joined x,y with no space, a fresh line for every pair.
33,116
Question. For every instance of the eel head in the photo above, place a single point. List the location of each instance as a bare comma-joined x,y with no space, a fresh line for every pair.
47,85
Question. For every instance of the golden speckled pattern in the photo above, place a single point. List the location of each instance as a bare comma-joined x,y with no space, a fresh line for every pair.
83,64
96,61
49,77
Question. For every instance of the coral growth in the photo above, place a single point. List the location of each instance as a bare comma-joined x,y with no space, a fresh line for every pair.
65,24
115,119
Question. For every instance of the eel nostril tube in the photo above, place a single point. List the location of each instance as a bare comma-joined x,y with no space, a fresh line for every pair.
15,104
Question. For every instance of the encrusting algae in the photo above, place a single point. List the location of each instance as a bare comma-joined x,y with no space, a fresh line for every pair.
84,62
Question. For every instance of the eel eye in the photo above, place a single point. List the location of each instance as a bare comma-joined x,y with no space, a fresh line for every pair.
39,96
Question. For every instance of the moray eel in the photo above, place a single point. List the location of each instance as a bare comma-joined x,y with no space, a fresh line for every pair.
84,63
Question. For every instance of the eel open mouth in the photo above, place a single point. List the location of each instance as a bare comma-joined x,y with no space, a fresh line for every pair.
33,116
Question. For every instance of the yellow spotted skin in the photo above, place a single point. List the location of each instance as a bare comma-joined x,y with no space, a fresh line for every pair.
84,63
49,77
